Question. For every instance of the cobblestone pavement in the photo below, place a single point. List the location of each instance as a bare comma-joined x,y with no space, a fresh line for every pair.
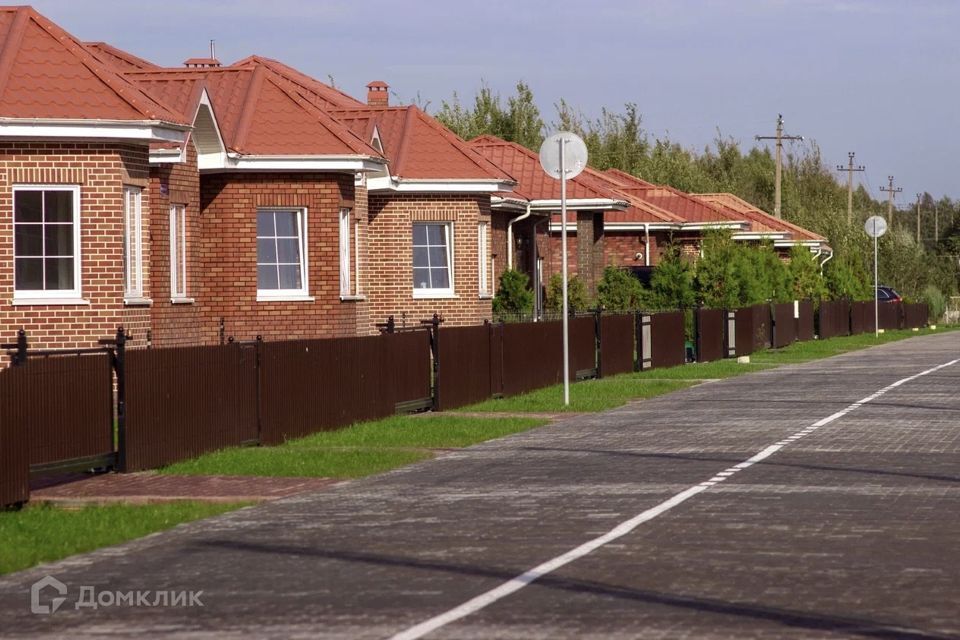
851,531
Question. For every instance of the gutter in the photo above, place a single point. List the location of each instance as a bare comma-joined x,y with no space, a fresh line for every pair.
646,244
829,258
510,236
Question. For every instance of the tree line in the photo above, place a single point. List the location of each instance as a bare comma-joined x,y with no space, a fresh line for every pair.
812,195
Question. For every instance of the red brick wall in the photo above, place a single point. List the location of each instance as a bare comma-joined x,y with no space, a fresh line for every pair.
177,324
101,170
389,279
227,250
621,248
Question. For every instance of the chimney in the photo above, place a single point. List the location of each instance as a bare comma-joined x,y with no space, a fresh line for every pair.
201,63
378,94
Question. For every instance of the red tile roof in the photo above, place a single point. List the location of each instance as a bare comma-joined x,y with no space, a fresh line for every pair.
532,182
119,58
639,211
320,95
761,221
47,73
417,146
690,209
257,110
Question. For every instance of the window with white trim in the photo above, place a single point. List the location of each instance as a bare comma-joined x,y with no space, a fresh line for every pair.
46,245
281,254
432,259
132,243
345,284
178,252
482,256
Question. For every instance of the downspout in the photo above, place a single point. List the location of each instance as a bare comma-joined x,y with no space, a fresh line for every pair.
510,236
829,257
646,244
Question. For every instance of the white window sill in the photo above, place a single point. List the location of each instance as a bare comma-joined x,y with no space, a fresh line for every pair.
353,298
40,301
181,301
138,302
486,296
429,294
293,297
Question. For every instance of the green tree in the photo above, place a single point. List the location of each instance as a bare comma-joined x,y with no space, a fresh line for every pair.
805,272
577,297
514,295
519,121
618,290
717,281
672,286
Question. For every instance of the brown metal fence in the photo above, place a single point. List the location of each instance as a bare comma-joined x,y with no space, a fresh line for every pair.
617,350
185,401
316,385
710,329
668,339
583,347
784,326
890,316
833,318
15,402
861,317
762,337
465,368
805,323
743,332
532,356
915,316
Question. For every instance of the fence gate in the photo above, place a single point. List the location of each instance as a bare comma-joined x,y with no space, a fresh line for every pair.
62,400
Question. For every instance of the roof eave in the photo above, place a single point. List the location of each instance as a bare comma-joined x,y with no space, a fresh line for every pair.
593,204
319,163
439,185
149,130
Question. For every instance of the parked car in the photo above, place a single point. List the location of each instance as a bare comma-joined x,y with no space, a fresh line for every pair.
887,294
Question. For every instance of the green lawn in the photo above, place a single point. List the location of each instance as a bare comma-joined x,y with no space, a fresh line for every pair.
607,393
43,533
360,450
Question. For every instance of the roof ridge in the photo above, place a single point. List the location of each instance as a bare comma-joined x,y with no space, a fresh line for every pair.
404,145
12,43
250,100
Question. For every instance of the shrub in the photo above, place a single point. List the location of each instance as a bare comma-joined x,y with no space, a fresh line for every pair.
717,280
805,272
671,286
577,297
936,302
846,278
514,295
618,290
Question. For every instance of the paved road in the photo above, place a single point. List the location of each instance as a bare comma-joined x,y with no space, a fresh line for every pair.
851,529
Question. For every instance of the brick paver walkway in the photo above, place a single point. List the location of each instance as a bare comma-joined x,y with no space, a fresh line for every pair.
153,487
848,531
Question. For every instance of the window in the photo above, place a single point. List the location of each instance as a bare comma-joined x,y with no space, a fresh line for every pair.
482,258
281,254
432,259
178,252
345,289
46,223
132,244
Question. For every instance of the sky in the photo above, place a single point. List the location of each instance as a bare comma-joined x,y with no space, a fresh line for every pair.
876,77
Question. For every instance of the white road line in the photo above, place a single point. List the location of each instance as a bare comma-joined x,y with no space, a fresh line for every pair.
515,584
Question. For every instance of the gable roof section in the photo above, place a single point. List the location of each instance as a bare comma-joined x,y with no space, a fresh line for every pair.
639,212
123,60
535,186
692,210
760,220
258,114
47,76
317,93
419,147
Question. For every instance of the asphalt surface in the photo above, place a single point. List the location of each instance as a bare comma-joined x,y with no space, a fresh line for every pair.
852,530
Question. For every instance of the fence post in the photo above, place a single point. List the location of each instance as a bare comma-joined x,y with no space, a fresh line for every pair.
435,350
598,339
21,356
223,331
697,339
731,326
644,341
119,366
259,404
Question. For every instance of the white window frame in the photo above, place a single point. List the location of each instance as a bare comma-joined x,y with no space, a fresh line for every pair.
303,292
483,249
133,245
53,296
178,253
346,283
437,292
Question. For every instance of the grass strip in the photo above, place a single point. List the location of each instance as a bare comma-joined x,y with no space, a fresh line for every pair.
356,451
44,533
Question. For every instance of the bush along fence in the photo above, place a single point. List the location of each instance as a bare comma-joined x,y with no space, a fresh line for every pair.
113,408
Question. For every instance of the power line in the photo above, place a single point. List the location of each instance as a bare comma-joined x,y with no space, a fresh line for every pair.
891,191
850,169
779,137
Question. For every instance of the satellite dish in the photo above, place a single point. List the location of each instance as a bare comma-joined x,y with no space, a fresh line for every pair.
574,154
875,226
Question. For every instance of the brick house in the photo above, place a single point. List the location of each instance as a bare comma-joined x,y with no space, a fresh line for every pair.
523,232
75,142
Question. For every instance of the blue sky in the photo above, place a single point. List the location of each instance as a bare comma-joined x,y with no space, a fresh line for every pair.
877,77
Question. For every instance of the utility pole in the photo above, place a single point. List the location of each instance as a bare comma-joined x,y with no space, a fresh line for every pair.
850,169
779,138
919,196
890,191
936,222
